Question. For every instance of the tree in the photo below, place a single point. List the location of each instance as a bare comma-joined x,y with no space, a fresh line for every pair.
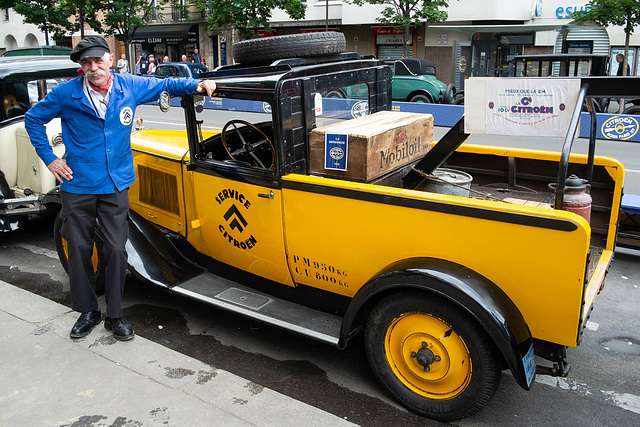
48,15
247,16
624,13
403,14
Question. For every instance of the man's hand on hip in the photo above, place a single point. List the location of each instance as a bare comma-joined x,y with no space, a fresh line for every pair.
60,170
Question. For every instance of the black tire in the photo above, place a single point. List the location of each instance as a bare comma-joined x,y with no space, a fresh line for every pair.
97,257
447,98
458,100
421,97
432,357
632,110
268,49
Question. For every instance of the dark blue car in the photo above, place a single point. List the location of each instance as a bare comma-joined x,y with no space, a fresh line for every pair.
180,69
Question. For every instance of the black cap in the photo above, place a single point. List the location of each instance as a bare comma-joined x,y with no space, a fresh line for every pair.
89,47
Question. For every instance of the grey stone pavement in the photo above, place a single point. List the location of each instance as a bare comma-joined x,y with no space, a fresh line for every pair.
49,380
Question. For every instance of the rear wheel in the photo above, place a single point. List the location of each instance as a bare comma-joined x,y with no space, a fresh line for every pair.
632,110
431,356
421,98
97,258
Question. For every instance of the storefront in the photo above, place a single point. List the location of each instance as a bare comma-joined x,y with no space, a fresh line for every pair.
480,38
389,42
166,40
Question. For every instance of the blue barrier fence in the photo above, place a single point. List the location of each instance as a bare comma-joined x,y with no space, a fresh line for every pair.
617,127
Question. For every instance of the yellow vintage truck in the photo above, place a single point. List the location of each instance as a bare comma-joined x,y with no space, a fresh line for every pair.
449,289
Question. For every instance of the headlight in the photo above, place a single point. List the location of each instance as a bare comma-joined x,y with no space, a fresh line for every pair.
57,140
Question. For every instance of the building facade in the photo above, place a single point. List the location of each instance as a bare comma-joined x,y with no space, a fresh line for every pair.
15,33
478,38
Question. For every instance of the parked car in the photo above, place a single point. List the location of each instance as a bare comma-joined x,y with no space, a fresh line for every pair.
265,218
39,50
414,80
25,181
180,69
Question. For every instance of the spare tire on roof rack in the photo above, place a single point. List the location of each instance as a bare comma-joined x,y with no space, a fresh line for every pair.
268,49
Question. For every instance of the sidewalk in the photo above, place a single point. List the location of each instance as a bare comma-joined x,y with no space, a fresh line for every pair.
50,380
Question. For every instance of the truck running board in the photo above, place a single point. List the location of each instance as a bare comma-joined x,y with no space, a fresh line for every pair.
231,296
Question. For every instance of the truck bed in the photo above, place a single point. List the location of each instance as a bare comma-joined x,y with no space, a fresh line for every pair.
522,177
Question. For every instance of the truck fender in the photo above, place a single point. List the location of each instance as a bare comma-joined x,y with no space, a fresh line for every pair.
474,293
53,196
421,92
151,255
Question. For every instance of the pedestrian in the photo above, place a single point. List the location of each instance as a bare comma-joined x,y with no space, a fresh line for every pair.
195,56
166,60
184,58
152,65
123,64
96,111
144,64
620,61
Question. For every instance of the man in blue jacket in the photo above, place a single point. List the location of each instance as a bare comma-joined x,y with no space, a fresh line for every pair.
96,111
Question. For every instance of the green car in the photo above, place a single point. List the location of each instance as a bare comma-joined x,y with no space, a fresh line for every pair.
414,80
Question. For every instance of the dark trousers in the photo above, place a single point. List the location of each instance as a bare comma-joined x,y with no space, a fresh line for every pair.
79,213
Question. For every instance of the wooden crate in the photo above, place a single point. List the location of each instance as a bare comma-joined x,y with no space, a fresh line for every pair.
376,144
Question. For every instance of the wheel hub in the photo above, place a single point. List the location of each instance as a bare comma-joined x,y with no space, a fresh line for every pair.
425,357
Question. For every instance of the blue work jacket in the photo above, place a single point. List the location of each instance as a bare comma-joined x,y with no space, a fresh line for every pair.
97,150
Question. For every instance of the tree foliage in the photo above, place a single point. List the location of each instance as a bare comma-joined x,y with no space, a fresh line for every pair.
110,17
623,13
403,14
247,16
49,16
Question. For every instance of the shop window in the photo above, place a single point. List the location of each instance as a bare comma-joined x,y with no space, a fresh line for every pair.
631,59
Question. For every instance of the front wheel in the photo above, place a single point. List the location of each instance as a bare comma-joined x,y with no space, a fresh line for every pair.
431,356
97,258
448,96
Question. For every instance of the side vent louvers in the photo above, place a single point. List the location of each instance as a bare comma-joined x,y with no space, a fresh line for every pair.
158,189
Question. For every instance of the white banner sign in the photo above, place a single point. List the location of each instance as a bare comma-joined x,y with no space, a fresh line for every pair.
527,107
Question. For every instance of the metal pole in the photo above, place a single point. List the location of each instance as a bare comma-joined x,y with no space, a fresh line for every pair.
326,21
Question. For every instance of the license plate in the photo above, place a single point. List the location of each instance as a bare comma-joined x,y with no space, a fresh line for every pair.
529,366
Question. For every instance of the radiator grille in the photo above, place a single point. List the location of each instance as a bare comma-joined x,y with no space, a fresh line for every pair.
159,189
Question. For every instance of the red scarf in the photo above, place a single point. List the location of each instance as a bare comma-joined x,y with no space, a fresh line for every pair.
104,86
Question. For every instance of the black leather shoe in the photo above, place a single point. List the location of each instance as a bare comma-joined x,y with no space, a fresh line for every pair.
85,324
122,330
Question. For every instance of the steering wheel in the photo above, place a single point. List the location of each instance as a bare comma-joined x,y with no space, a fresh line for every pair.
248,150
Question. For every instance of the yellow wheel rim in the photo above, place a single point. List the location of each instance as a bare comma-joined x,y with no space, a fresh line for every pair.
427,356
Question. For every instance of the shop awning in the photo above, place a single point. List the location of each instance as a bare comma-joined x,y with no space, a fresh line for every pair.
514,29
165,33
